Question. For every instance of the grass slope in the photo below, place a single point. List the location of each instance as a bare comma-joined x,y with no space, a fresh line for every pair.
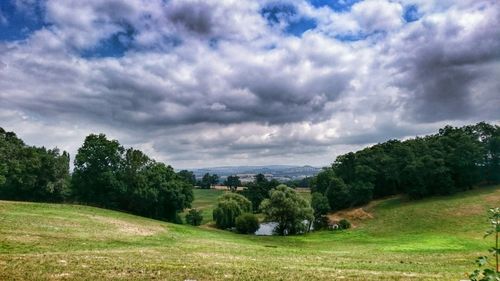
432,239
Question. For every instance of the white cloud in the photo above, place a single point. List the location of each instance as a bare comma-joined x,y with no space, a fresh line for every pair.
208,83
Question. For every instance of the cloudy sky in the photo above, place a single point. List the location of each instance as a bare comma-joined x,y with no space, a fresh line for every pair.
199,83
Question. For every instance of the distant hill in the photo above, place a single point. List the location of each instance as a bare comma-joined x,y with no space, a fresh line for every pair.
280,172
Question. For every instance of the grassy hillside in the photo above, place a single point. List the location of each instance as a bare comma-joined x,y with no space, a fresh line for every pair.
433,239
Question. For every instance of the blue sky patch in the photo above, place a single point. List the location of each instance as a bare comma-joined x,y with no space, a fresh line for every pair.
18,24
411,13
115,46
336,5
351,37
286,13
275,13
302,25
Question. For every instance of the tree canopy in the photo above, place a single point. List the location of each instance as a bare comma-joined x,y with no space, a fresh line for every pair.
258,190
452,160
109,176
229,207
288,209
187,176
208,180
232,182
32,173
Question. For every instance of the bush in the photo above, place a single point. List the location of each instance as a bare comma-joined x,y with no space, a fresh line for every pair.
194,217
247,223
320,222
344,224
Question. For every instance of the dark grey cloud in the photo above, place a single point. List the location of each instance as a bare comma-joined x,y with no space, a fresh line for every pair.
445,64
196,18
257,96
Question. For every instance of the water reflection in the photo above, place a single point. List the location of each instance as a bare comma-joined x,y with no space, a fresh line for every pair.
268,227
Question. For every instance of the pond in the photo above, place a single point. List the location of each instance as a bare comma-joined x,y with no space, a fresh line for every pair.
267,228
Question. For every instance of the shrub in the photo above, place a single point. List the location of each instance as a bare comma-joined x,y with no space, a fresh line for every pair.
194,217
344,224
320,222
247,223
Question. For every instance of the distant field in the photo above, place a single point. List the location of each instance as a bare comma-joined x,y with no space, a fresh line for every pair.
432,239
205,199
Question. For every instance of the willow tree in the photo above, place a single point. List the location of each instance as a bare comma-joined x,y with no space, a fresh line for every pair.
288,209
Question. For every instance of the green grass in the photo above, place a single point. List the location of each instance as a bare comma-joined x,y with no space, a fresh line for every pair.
205,200
432,239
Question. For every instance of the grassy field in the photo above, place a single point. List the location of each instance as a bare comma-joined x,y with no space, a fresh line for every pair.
205,200
432,239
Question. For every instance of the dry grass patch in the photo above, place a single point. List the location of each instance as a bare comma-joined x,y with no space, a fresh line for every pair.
128,228
354,215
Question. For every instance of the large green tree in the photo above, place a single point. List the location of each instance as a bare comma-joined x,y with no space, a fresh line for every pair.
229,207
109,176
258,190
208,180
96,170
232,182
288,209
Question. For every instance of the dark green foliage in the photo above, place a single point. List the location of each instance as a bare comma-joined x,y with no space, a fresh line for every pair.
229,207
303,183
258,190
322,181
247,223
208,180
205,182
214,179
107,175
95,175
453,160
187,176
232,182
288,209
31,173
338,194
360,192
320,205
194,217
344,224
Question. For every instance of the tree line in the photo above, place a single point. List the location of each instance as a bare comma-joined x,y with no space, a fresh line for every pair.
454,159
105,175
29,173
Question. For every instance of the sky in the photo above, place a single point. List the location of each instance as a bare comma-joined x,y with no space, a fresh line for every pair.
203,83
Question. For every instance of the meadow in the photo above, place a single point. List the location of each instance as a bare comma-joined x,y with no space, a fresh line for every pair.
432,239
